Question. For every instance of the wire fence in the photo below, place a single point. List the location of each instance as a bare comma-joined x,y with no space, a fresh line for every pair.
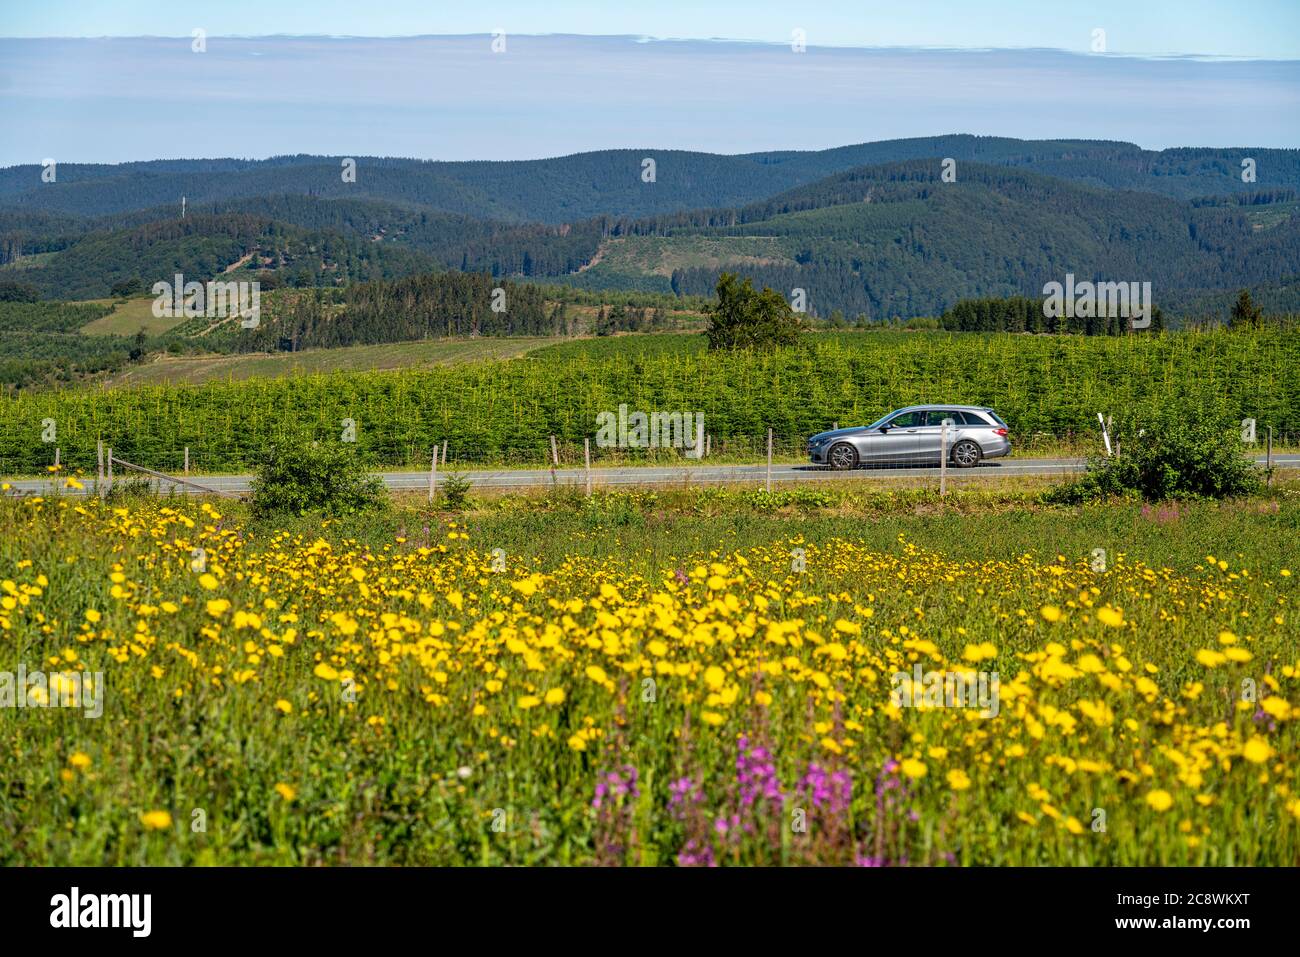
900,450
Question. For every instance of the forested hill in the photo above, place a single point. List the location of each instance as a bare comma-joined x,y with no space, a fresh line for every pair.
896,240
885,240
612,182
204,247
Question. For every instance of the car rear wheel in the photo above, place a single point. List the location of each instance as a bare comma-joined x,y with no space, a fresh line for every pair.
842,456
966,454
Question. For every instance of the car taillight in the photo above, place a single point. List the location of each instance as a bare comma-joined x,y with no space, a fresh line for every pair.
999,431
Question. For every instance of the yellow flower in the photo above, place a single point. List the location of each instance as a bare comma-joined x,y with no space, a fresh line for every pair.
79,760
285,706
528,701
914,768
208,580
217,607
156,820
1050,613
1160,800
712,717
286,791
92,616
714,677
1257,750
577,742
555,696
1210,658
323,670
1110,616
596,673
1276,707
958,779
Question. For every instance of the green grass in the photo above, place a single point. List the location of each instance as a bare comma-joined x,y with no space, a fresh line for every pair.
176,370
407,771
129,317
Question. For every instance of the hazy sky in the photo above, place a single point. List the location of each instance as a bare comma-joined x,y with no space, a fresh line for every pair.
452,97
1254,28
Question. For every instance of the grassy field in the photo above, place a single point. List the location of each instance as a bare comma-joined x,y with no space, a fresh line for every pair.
176,370
644,679
129,317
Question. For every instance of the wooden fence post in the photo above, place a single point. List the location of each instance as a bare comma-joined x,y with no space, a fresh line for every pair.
943,458
586,454
99,462
1268,457
187,460
56,456
444,453
433,475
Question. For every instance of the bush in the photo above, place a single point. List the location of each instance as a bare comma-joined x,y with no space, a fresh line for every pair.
1182,455
455,491
300,478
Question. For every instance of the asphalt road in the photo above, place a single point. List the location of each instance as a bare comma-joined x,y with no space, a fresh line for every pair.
647,476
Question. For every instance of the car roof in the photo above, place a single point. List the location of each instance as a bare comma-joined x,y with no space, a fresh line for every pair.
963,408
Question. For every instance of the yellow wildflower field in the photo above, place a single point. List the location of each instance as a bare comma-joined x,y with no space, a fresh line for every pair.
292,697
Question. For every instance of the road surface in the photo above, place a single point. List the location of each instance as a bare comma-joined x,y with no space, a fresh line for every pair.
692,474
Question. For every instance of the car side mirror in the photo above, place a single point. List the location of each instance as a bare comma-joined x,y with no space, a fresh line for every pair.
884,428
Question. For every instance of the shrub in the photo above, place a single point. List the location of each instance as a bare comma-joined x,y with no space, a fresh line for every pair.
299,478
1172,455
455,491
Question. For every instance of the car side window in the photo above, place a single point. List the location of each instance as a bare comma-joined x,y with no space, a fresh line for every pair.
936,418
907,420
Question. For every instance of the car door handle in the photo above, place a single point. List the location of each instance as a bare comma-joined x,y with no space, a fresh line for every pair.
910,431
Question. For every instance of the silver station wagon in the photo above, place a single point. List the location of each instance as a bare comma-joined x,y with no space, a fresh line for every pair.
912,436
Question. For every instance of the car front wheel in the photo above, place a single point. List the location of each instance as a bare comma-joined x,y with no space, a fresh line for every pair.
966,455
842,456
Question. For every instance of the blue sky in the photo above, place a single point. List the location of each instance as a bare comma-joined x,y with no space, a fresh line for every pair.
1012,70
1251,28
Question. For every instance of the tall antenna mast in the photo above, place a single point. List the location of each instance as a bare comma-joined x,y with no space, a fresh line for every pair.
182,207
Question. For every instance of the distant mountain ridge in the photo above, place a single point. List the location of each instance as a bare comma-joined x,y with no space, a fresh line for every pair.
610,183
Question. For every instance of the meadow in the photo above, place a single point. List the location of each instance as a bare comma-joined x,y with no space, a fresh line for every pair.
129,316
1048,388
193,370
655,679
